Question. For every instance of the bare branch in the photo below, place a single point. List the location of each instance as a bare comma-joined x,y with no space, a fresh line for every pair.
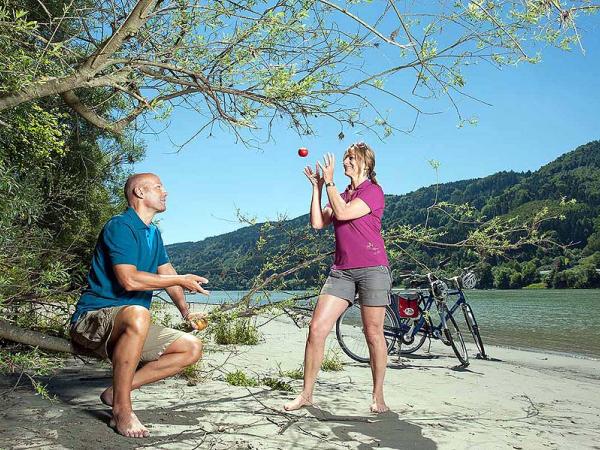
365,24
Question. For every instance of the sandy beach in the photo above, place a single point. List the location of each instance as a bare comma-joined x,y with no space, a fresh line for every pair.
518,399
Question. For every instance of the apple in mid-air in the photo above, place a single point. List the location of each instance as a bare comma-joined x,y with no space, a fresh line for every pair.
303,152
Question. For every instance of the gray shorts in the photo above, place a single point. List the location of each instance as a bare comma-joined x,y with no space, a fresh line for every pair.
370,285
91,333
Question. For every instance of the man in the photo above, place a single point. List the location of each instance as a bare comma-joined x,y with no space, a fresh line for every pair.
112,317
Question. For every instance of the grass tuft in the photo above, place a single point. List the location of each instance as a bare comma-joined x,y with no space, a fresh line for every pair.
541,285
332,361
239,378
193,374
239,331
277,384
294,374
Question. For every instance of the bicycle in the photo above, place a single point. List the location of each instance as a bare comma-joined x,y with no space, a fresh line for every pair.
466,281
410,333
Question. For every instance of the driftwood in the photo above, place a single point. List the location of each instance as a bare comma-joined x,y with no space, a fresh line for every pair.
14,333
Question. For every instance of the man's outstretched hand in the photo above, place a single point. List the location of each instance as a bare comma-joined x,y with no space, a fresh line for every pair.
193,283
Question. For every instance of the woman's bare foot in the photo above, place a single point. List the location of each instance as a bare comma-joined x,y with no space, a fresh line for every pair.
379,406
298,403
107,397
129,425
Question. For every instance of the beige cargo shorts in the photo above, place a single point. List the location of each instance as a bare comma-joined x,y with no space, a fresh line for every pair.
91,333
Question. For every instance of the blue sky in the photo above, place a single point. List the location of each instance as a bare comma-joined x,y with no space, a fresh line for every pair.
538,112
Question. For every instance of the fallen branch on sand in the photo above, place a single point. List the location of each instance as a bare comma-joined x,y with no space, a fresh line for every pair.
43,341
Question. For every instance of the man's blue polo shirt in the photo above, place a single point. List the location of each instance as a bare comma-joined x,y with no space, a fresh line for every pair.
125,239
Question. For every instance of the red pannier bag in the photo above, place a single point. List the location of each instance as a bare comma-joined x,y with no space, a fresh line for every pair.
408,305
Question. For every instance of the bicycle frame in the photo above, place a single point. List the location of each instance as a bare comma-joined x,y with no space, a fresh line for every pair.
461,300
418,324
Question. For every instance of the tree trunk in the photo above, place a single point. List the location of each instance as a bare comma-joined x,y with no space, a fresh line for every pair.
14,333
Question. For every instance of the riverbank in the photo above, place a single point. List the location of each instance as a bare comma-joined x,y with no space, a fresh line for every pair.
517,400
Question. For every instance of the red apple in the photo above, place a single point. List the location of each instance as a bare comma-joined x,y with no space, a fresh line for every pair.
303,151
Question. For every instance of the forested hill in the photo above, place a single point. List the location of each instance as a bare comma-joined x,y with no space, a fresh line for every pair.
230,260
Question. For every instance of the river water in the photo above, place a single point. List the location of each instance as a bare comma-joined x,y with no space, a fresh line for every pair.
564,321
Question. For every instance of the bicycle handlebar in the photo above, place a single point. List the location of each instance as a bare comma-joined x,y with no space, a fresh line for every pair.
428,280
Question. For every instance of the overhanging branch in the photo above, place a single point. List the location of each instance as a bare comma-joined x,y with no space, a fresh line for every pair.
89,114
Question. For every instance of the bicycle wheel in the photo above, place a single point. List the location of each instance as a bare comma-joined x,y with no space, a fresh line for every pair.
474,329
350,335
413,344
454,337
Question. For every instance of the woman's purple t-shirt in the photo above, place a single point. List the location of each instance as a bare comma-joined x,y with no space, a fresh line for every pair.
358,242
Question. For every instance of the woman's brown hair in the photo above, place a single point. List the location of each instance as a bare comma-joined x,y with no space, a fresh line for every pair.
365,154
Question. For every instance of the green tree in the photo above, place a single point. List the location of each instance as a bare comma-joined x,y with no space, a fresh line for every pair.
486,277
502,275
530,273
60,180
593,241
515,280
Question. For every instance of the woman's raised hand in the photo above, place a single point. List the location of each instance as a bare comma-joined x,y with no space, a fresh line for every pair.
315,177
327,167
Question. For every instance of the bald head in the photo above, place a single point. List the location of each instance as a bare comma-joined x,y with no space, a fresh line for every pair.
138,181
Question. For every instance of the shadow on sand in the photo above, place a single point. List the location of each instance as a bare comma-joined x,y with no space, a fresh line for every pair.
78,420
382,430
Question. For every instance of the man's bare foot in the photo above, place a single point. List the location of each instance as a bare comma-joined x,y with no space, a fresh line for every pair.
298,403
128,425
107,397
379,406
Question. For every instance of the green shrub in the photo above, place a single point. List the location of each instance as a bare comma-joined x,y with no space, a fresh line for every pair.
193,374
41,390
277,384
239,331
332,362
33,362
239,378
161,314
540,285
294,374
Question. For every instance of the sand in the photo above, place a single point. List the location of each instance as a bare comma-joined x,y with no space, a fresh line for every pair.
518,399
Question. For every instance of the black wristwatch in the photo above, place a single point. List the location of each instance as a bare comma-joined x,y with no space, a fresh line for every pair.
331,183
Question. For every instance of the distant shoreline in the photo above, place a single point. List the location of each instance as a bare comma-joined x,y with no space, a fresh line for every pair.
404,288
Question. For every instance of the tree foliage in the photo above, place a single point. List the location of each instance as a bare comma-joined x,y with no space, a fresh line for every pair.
248,63
60,180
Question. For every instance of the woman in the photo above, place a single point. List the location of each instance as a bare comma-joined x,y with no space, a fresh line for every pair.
360,266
